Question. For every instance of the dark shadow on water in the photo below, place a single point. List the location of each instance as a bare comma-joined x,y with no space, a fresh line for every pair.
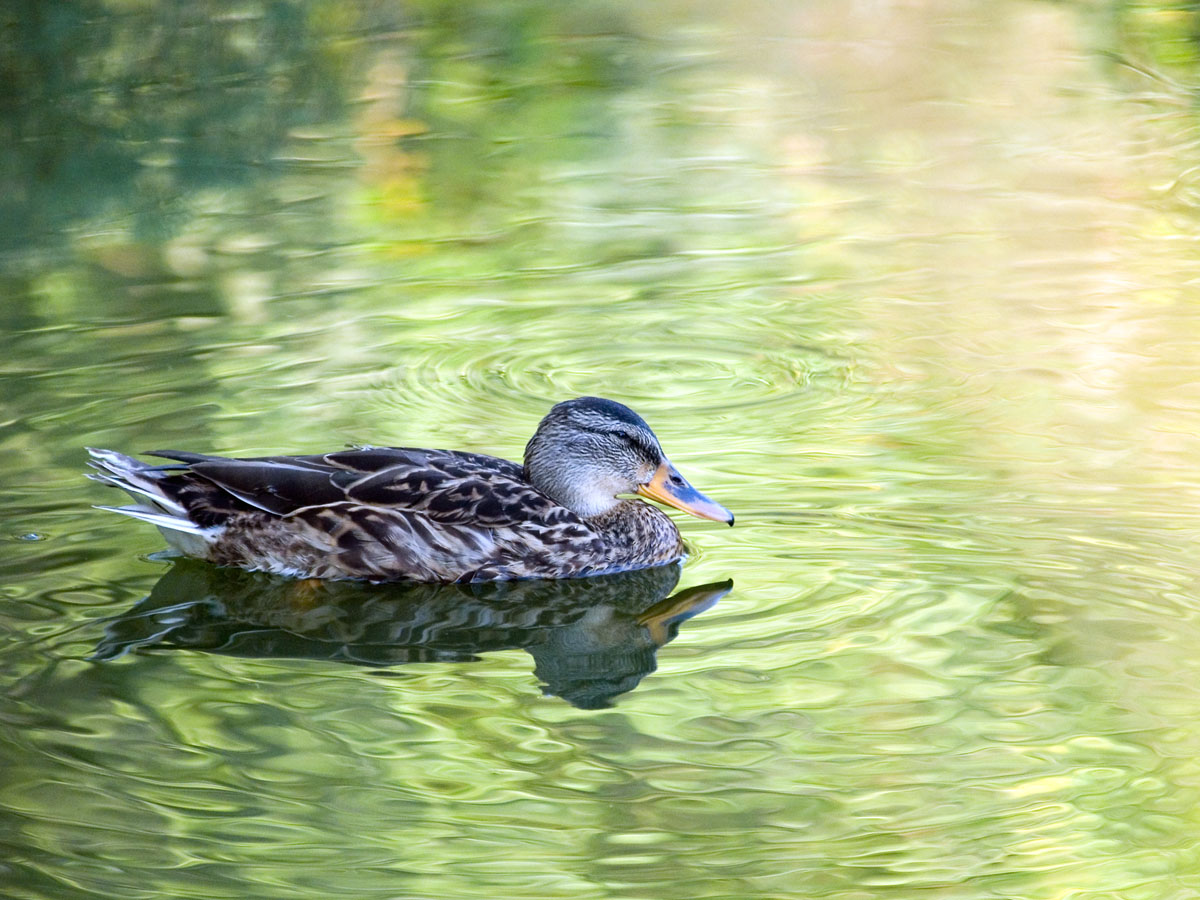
591,639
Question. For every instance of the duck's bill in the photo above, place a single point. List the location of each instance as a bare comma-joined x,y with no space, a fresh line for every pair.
669,487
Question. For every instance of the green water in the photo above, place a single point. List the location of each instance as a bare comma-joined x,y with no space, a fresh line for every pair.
910,286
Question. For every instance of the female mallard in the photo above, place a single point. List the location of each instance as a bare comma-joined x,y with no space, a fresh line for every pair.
394,514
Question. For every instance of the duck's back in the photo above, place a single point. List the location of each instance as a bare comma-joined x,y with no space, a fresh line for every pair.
381,513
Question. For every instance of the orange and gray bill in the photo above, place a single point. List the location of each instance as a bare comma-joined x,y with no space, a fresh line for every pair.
669,487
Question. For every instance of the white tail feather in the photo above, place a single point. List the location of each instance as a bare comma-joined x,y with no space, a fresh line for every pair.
135,477
163,502
155,517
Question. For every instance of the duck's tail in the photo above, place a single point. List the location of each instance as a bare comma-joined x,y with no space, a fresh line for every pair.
144,483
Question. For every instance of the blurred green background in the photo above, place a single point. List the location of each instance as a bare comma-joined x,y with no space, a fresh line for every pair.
911,286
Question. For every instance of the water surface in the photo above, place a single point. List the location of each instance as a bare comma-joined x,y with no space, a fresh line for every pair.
910,287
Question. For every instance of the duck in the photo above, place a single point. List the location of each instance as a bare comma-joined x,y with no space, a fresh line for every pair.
395,514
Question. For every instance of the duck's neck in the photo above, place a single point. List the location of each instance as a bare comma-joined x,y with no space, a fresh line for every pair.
638,534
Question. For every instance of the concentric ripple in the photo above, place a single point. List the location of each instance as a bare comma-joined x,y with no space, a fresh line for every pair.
912,292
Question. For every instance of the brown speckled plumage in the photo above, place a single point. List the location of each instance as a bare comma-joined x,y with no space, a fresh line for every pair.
389,514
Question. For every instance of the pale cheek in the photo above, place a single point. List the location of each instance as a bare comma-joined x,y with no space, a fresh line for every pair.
614,486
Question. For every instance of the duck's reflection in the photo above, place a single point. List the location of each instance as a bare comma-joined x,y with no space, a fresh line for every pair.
591,638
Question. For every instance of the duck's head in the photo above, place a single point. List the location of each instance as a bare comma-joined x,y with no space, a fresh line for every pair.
589,450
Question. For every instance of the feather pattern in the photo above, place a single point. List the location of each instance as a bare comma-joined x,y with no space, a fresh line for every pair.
389,513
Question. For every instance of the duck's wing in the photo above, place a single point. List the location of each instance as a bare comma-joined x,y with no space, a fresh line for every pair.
445,486
379,513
